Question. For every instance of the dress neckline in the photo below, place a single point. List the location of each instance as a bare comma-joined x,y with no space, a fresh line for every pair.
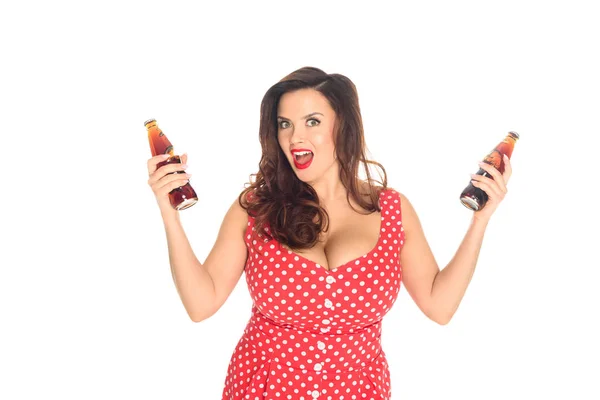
353,261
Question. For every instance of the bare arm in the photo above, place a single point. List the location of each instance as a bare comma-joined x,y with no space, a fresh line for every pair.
437,293
203,288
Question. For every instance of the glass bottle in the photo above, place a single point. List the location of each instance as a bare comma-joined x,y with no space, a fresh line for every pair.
475,198
182,197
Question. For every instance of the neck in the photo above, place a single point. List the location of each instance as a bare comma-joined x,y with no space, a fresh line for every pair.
329,187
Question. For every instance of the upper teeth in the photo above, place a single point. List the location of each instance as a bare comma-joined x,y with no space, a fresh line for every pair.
302,153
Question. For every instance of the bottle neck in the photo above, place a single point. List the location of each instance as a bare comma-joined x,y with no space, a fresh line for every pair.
514,136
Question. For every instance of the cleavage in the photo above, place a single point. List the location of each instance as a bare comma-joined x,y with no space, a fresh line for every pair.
346,243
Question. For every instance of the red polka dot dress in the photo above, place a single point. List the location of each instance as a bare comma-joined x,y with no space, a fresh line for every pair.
316,333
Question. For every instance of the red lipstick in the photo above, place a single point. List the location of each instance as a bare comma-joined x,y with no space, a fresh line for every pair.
306,156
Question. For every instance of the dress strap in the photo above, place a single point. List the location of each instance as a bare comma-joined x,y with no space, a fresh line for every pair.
391,212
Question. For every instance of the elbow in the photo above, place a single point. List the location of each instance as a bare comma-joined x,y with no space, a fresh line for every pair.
443,321
201,315
440,318
439,313
196,318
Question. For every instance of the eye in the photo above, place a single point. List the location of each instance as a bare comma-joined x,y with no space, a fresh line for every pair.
313,119
284,124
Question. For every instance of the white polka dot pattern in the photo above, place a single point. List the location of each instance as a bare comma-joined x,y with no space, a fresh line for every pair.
314,333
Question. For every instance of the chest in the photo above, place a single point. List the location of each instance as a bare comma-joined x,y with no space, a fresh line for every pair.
355,283
350,235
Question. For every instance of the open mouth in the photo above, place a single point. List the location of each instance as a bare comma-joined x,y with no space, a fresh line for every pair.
302,158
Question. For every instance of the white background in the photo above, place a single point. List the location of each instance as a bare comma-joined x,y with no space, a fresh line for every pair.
87,304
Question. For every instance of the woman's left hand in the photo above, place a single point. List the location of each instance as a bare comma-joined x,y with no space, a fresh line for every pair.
494,188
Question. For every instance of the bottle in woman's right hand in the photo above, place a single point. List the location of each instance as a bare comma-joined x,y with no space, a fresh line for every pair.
163,179
180,197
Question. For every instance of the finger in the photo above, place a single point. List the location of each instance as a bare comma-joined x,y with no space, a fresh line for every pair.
168,187
489,182
486,179
154,161
166,180
490,187
167,170
490,169
184,158
507,169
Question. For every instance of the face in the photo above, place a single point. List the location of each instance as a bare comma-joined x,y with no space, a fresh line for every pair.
305,122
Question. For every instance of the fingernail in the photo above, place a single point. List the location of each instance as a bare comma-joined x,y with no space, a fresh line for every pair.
505,157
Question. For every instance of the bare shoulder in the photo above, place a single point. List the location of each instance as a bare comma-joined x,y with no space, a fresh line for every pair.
237,216
408,213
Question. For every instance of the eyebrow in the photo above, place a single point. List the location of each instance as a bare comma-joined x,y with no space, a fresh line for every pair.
305,117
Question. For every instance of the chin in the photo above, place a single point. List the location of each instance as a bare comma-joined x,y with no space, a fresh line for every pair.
305,176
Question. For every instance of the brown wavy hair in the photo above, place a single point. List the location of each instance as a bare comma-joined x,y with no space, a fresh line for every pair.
281,202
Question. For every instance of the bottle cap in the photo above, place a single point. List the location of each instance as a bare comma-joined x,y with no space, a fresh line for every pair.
150,120
515,134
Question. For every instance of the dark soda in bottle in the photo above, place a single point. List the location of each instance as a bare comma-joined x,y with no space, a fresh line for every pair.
475,198
182,197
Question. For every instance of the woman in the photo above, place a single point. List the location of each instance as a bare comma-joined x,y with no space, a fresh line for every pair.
324,251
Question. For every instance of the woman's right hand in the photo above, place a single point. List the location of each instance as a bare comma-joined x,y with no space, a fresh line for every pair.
162,180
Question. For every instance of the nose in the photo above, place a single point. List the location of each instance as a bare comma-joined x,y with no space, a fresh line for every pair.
298,135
